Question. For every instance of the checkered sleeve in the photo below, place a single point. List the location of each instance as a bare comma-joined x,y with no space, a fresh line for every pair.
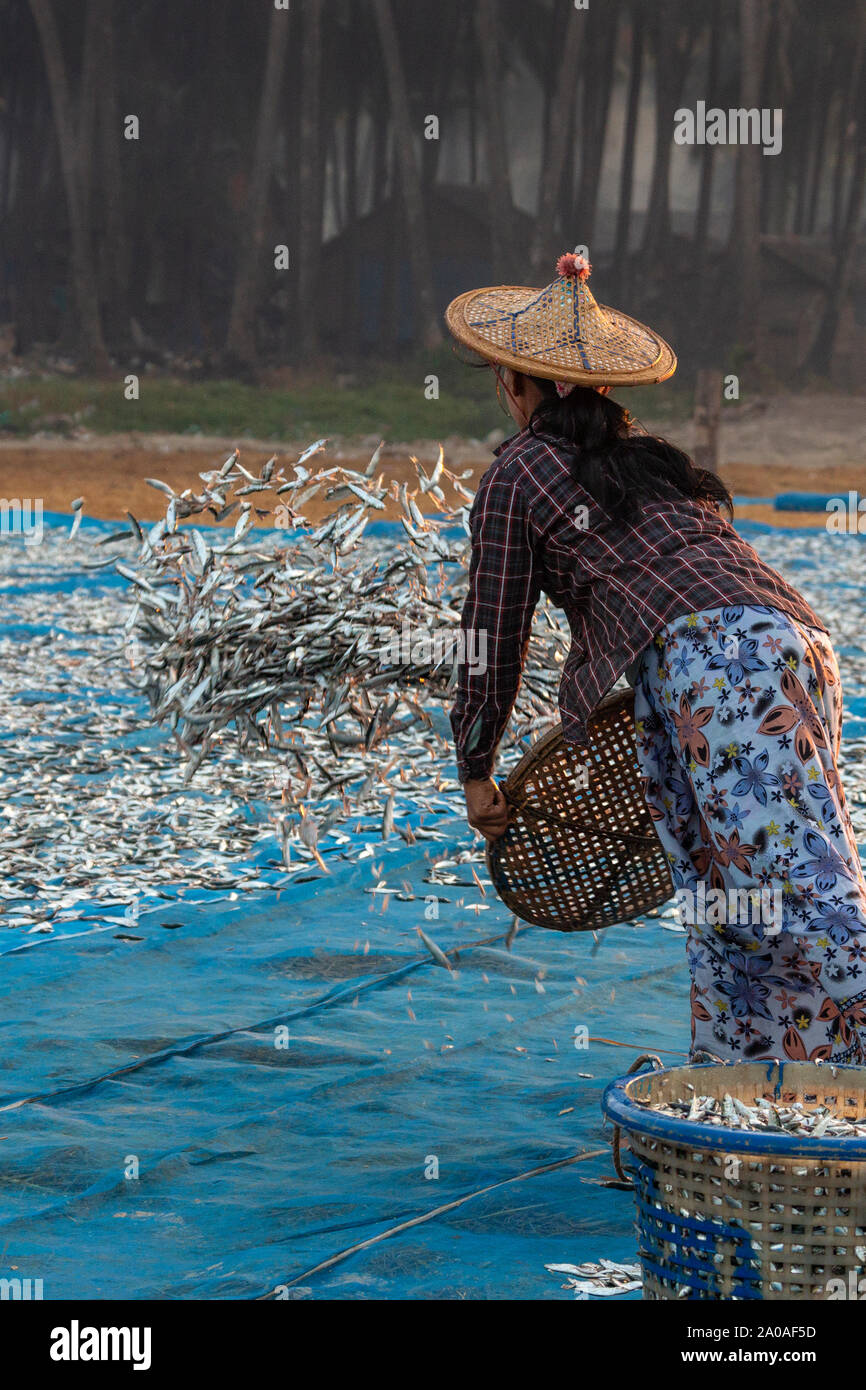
504,587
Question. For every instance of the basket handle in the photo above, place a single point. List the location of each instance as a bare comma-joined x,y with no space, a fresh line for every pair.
645,1058
574,823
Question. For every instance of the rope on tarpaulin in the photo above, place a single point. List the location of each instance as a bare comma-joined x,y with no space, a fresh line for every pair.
429,1215
612,1042
459,1201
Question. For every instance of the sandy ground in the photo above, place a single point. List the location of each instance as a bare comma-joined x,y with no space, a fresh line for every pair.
804,443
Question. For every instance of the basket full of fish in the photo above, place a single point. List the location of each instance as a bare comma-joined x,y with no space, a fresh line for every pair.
749,1178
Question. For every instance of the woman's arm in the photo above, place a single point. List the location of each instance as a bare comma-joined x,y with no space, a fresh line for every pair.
504,587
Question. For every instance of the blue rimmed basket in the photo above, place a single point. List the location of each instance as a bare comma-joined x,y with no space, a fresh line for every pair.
725,1213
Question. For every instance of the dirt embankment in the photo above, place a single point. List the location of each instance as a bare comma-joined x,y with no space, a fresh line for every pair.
805,443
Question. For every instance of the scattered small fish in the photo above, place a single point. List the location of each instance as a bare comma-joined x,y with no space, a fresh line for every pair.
236,647
602,1280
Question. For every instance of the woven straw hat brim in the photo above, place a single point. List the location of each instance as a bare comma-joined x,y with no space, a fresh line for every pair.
628,353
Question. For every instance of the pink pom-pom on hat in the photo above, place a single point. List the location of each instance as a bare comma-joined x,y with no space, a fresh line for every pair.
571,266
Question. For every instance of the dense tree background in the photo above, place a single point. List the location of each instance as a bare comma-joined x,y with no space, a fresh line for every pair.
306,127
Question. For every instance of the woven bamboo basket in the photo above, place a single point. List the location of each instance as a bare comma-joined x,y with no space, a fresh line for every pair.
725,1213
581,851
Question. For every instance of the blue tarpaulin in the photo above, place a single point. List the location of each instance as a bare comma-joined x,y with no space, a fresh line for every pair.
216,1109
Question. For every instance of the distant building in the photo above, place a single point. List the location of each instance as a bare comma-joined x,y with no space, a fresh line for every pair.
366,284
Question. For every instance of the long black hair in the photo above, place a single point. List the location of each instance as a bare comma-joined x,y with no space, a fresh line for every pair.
621,467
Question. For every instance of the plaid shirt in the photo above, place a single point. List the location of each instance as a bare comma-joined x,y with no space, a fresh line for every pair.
617,583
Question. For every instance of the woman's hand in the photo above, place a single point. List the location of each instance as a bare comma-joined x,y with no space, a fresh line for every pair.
486,807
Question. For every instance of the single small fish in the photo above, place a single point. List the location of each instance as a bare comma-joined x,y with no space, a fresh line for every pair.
438,955
161,487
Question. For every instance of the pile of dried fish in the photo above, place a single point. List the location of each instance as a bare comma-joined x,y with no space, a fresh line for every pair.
100,818
98,824
600,1280
251,631
318,631
762,1114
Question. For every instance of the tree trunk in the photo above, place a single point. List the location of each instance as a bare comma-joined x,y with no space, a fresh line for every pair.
799,137
72,161
290,212
15,88
337,180
856,77
240,345
565,198
353,279
597,88
352,305
819,145
837,198
746,239
501,216
705,194
545,245
626,176
392,268
379,193
427,320
115,255
472,122
672,43
310,183
350,156
548,84
820,357
92,61
438,82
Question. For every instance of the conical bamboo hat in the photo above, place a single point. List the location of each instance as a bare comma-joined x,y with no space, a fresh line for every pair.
560,332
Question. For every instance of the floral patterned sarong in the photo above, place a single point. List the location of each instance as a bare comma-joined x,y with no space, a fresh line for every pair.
738,726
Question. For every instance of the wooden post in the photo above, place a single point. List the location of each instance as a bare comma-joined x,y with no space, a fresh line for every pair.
708,409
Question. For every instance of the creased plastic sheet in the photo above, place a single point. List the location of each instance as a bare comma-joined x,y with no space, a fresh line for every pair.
256,1161
259,1161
